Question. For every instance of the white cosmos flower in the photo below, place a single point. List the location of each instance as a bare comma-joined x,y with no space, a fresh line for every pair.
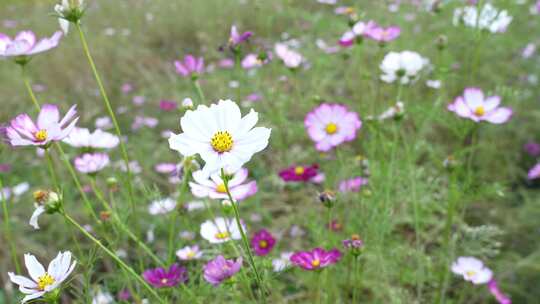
162,206
221,136
99,139
491,19
403,67
103,297
189,253
472,270
221,230
282,262
41,281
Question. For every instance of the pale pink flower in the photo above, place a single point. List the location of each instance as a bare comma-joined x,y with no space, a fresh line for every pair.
475,106
290,58
534,172
91,163
191,66
22,131
25,43
329,125
381,34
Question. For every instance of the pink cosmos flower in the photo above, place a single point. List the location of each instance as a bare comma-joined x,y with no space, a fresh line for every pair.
226,63
353,184
191,66
381,34
357,32
127,88
532,148
475,106
26,44
497,293
262,242
253,60
534,172
22,131
299,173
214,188
237,38
315,259
91,163
220,269
168,105
161,277
290,58
329,125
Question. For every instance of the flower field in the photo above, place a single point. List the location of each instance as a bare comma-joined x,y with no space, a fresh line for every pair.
246,151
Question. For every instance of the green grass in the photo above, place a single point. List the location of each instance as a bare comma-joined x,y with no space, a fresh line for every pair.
402,214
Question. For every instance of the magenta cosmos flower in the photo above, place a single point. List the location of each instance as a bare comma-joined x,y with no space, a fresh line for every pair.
236,38
497,293
91,163
160,277
475,106
220,269
22,131
262,242
329,125
214,188
381,34
353,184
534,172
191,66
26,44
299,173
315,259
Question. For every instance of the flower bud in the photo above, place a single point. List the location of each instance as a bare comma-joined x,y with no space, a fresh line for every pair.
327,198
49,199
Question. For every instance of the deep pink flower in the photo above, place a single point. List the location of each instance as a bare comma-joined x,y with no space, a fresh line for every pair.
237,38
22,131
381,34
214,188
475,106
299,173
262,242
532,148
534,172
220,269
330,125
160,277
26,44
168,105
191,66
499,295
315,259
353,184
5,168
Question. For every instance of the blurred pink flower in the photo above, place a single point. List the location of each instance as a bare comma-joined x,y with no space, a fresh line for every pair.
226,63
236,38
299,173
532,148
25,43
91,163
191,66
497,293
353,184
534,172
330,125
290,58
381,34
126,88
168,105
219,269
22,131
214,187
475,106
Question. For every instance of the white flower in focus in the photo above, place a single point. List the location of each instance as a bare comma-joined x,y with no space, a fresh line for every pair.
162,206
82,138
283,262
220,230
403,67
189,253
41,281
221,136
472,270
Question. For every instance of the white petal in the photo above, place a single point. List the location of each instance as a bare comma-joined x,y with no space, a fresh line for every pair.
21,281
32,296
34,218
35,269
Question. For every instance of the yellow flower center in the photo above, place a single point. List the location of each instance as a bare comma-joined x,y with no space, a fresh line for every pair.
479,111
41,135
316,263
191,254
331,128
349,10
222,235
221,188
263,244
44,281
299,170
222,142
470,273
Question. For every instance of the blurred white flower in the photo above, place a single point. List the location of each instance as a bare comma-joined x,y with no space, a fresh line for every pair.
290,58
490,19
162,206
403,67
472,270
220,230
103,297
189,253
82,138
282,262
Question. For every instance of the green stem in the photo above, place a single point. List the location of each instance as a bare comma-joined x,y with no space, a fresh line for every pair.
120,224
50,165
200,93
174,215
29,88
7,229
110,112
113,256
242,232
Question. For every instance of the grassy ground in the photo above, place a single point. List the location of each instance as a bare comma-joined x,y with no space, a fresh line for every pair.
402,215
